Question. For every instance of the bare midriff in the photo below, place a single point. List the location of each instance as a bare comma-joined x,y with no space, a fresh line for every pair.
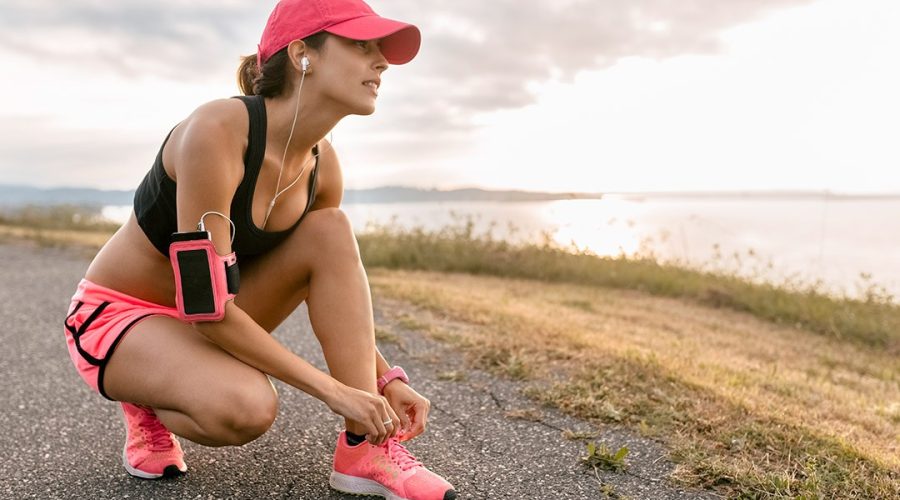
130,264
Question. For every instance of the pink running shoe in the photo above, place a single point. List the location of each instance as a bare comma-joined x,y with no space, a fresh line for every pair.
151,451
389,471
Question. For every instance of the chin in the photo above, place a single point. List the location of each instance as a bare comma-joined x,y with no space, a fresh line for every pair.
365,110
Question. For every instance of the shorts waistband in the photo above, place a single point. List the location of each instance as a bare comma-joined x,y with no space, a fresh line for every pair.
98,293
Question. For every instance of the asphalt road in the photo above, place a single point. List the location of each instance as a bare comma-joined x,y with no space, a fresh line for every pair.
61,440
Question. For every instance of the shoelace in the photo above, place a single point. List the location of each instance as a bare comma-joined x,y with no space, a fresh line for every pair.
400,455
157,436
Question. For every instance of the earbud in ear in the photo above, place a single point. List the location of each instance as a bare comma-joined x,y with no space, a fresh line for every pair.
304,63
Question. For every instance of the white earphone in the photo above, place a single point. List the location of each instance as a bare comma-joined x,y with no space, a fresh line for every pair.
304,63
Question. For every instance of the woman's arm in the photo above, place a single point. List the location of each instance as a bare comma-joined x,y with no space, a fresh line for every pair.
208,164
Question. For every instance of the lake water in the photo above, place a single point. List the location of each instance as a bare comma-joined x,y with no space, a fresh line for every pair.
844,244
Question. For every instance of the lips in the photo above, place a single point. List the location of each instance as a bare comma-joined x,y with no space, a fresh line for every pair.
373,84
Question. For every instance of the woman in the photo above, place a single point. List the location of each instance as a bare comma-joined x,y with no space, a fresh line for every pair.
256,173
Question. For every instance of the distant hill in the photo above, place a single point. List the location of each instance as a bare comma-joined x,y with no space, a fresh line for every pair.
397,194
11,195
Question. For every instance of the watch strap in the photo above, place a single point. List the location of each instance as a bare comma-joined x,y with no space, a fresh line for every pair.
392,374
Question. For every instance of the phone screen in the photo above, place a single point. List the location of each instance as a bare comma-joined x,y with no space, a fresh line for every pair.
196,282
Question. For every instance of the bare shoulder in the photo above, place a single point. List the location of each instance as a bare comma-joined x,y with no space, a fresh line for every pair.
330,189
226,118
215,132
328,158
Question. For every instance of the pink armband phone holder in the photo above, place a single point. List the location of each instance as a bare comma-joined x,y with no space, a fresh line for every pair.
204,280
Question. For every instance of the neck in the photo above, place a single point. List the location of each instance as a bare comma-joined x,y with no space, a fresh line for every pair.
313,125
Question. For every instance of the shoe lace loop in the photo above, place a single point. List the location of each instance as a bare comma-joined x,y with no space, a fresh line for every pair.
401,456
157,436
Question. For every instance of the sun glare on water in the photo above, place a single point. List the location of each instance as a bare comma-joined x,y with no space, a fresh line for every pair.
604,227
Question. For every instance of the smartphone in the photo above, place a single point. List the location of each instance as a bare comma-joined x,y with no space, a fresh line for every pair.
194,278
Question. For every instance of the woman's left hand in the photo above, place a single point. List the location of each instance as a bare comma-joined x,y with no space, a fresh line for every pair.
410,406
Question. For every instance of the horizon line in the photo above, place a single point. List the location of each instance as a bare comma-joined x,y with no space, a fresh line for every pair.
681,192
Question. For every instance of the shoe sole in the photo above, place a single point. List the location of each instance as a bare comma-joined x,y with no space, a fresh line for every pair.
169,471
359,486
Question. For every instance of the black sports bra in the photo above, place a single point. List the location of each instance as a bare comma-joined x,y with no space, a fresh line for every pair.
154,199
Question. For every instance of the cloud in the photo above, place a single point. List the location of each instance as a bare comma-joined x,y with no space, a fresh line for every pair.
486,53
481,56
183,40
477,56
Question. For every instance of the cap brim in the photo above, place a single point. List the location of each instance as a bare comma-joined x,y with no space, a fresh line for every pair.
399,41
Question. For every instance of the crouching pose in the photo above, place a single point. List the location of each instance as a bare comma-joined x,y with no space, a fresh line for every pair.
234,226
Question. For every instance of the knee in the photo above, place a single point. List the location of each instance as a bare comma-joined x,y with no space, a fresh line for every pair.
246,413
330,228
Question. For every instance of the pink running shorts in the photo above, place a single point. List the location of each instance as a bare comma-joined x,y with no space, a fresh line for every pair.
97,321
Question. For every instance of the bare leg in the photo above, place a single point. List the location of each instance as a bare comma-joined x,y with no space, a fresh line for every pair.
197,390
322,261
201,392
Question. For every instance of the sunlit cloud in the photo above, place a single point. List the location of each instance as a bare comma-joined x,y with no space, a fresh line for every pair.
123,73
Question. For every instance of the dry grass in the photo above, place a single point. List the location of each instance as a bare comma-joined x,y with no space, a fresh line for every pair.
746,406
872,318
90,241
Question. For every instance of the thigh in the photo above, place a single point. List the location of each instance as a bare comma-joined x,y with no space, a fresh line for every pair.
275,283
165,363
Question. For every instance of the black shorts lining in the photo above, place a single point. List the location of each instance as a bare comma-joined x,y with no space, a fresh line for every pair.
76,334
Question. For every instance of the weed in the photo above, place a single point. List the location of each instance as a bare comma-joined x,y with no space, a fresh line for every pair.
602,457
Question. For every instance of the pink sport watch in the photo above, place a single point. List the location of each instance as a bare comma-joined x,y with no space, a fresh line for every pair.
393,373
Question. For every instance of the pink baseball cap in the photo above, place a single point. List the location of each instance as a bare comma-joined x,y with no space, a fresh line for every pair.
295,19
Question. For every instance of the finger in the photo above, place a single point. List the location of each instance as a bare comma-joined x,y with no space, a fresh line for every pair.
413,425
425,411
405,423
378,433
421,418
396,424
375,426
384,421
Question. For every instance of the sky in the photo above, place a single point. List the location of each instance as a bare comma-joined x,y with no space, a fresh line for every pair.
568,95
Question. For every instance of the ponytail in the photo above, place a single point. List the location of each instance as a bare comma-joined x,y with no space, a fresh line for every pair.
247,73
271,79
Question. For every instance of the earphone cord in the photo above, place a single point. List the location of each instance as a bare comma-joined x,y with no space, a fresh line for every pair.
284,157
202,227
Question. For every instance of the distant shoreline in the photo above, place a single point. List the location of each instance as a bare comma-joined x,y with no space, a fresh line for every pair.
18,195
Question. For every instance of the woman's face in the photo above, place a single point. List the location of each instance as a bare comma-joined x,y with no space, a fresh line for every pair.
348,72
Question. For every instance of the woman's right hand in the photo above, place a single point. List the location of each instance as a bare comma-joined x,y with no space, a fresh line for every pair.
367,409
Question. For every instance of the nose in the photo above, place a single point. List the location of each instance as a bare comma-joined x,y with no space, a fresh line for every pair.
381,62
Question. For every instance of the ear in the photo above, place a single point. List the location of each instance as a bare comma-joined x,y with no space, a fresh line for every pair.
297,50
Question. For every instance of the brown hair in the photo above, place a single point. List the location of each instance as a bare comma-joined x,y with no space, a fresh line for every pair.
270,82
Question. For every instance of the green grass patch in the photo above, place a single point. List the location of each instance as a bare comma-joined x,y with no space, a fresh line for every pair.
601,456
873,320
